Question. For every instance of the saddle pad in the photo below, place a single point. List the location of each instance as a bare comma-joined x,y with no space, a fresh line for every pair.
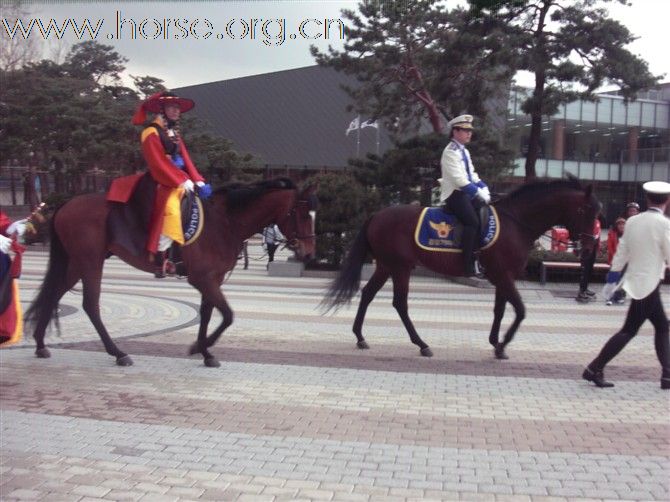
193,219
436,230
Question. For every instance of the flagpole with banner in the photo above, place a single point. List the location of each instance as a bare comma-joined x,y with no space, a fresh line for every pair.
355,125
370,123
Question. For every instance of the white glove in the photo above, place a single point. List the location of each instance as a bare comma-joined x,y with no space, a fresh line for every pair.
18,227
5,244
484,194
608,290
188,185
199,184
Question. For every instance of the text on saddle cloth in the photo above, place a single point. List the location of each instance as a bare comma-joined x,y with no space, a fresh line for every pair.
437,230
192,218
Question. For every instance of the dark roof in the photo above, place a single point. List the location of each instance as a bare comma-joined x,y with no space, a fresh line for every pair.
295,117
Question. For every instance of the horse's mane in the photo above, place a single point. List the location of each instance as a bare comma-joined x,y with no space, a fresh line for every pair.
533,189
239,195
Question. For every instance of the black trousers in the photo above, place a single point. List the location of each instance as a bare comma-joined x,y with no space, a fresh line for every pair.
639,311
461,205
271,251
587,269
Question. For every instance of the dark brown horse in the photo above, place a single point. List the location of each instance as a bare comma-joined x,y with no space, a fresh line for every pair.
80,244
524,215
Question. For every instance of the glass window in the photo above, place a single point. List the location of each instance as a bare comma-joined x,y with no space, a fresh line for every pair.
560,113
648,112
586,170
604,111
511,104
661,172
572,110
634,113
571,167
662,115
554,169
588,111
618,112
602,171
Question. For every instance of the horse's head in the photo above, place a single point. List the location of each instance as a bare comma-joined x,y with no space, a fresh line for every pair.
298,225
583,208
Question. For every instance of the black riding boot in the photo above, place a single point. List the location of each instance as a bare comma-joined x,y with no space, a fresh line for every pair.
468,239
159,262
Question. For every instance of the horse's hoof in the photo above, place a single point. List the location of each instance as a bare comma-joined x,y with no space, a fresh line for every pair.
500,352
212,362
194,349
362,344
43,353
426,352
124,361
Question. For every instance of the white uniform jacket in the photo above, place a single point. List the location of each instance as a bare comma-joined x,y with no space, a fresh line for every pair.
645,247
454,173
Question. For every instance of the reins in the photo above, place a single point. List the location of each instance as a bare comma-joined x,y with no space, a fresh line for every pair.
570,244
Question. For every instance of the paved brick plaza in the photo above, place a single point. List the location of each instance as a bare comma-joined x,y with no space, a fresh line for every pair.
297,412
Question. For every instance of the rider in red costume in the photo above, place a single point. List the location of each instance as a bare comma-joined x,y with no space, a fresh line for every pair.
170,166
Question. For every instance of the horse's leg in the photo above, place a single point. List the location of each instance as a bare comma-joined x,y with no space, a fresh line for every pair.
200,345
374,284
498,313
514,298
212,297
41,351
91,303
400,289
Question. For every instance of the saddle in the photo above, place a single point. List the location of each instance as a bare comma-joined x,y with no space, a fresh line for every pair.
438,230
132,200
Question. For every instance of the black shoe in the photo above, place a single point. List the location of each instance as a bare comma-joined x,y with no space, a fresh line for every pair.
665,383
596,377
583,297
589,293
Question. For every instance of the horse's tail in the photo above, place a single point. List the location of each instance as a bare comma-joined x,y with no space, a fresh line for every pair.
44,308
345,286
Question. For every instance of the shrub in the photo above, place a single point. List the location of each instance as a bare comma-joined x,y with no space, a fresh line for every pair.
341,213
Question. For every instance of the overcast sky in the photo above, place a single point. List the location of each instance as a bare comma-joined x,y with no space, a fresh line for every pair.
231,44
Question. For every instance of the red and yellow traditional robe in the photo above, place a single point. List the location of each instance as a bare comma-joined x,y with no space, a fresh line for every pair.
11,318
165,215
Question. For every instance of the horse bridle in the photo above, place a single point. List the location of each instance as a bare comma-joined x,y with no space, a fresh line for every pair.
581,210
291,240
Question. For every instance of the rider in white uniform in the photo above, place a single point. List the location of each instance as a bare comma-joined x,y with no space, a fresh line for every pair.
461,186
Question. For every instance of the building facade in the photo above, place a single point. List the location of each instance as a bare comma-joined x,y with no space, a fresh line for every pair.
605,140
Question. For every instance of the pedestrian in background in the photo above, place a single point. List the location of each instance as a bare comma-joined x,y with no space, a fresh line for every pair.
587,260
632,208
615,233
271,239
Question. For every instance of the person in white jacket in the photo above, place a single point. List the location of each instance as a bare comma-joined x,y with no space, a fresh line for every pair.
461,186
645,249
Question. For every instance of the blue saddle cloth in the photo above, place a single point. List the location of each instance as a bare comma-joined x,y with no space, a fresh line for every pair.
437,230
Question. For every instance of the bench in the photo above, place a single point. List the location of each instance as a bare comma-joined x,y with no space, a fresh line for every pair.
567,265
